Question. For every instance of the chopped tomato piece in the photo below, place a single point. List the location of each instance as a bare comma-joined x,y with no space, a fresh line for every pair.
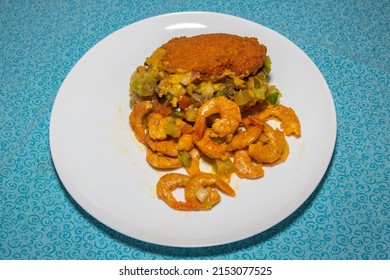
185,102
161,109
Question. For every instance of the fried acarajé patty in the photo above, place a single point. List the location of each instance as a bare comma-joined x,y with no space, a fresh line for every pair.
211,56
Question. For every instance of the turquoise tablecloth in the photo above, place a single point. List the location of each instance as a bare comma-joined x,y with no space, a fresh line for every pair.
347,217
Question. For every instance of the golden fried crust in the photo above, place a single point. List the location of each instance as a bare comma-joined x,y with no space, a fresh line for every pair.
210,55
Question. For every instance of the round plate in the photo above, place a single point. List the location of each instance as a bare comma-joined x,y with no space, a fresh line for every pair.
104,169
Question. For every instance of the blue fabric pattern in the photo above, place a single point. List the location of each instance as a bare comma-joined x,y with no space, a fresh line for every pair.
347,217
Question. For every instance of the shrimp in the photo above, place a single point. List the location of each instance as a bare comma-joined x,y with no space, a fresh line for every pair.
200,194
136,119
211,148
244,167
270,151
167,184
185,143
289,121
164,147
194,166
244,138
156,126
170,147
162,161
230,116
283,156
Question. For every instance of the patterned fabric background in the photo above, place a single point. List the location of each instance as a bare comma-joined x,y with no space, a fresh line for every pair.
347,217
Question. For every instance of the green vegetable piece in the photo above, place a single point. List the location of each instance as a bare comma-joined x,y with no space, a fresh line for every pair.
143,82
267,65
273,95
223,168
260,92
185,158
242,97
172,129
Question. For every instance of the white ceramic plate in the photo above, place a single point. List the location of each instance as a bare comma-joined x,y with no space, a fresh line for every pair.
104,169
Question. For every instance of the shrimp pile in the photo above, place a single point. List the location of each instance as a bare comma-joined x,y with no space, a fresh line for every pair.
220,134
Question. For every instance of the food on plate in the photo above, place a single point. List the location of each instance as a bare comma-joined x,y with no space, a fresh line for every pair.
199,190
187,71
210,57
208,97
